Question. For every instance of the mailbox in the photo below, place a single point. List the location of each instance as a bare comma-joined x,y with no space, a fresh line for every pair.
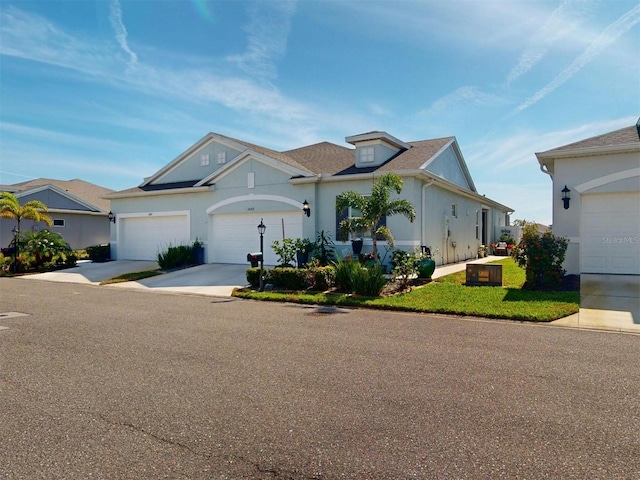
254,258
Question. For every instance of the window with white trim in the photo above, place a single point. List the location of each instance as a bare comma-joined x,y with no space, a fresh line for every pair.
251,180
367,154
454,210
222,157
58,222
204,159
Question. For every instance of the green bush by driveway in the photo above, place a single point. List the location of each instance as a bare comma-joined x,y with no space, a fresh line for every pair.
449,295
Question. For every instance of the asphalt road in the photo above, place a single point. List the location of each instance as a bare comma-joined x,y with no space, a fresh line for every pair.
108,383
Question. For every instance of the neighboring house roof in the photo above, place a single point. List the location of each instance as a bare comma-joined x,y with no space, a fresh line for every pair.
623,140
87,193
624,136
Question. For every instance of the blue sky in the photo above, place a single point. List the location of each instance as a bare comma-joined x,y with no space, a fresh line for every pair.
110,91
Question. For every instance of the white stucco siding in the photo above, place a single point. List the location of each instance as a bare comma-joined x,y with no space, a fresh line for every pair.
191,167
447,166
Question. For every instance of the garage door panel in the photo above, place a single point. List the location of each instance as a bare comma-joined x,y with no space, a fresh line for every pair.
610,233
142,238
235,235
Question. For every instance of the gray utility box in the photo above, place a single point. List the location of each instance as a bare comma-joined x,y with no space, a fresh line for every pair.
484,274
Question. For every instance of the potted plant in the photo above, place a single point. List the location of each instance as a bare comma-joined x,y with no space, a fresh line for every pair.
304,247
482,251
198,252
426,266
356,245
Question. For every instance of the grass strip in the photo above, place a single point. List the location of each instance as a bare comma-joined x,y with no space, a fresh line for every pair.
131,277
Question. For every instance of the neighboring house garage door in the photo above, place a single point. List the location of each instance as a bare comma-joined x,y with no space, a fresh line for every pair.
141,238
610,233
234,235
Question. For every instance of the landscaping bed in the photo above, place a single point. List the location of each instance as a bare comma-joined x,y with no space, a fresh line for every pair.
450,295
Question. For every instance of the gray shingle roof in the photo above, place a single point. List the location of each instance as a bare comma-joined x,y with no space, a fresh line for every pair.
624,136
85,191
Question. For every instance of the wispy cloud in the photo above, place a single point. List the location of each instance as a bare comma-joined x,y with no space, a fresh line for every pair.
562,21
606,38
502,152
115,18
268,29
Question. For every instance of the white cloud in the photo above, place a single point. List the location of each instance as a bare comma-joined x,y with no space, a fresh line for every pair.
115,18
606,38
510,152
268,29
562,21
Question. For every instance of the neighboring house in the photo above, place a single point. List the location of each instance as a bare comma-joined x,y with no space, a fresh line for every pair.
600,177
220,189
78,209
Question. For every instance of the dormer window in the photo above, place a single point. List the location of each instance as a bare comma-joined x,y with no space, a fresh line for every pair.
367,154
204,159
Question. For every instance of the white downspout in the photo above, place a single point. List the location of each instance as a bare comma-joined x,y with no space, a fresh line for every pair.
423,226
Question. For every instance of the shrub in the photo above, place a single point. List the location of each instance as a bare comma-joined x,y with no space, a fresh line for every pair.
253,276
44,251
175,257
286,251
99,253
405,266
325,248
541,257
368,281
319,277
288,278
344,273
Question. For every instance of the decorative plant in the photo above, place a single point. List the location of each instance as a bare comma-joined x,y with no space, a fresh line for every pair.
372,208
285,251
325,249
542,258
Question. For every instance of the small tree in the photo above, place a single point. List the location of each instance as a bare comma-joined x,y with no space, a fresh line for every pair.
542,258
372,208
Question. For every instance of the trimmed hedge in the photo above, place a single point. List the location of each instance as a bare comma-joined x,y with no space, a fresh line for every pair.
288,278
99,253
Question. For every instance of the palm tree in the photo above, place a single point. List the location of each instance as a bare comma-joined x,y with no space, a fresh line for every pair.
32,210
373,208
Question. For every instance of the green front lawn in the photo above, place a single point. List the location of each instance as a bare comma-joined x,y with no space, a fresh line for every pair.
449,295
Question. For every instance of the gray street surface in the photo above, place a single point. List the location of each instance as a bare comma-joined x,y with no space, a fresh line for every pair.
114,383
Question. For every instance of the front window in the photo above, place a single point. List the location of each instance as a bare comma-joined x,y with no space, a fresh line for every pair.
204,159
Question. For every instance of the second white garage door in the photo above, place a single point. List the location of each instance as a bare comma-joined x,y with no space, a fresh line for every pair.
610,233
142,237
232,236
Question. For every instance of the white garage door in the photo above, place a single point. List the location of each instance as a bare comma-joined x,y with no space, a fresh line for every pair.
235,235
610,233
141,238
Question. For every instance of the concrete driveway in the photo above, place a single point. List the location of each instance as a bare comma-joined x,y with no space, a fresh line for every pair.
209,279
215,279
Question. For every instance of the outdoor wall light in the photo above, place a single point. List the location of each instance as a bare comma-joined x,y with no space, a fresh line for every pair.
306,208
112,217
566,198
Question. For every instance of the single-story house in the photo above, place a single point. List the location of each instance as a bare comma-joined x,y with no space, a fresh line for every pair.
78,209
596,206
221,188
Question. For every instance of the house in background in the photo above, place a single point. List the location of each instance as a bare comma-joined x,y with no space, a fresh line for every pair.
220,189
596,205
78,209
